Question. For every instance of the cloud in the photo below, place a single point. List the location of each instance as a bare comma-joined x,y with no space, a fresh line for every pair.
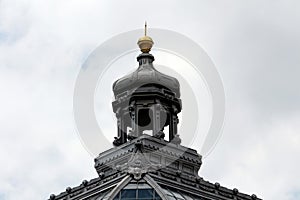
254,45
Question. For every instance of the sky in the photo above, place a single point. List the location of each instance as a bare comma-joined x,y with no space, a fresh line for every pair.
255,46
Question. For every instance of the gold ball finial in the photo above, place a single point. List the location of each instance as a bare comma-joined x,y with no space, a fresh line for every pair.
145,43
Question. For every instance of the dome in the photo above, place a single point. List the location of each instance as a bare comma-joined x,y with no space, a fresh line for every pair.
144,75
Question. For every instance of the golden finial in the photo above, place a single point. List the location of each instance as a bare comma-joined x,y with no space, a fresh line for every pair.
145,43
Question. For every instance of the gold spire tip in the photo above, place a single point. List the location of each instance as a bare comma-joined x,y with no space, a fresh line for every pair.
145,43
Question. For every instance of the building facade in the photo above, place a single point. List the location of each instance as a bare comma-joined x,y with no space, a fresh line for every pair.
147,160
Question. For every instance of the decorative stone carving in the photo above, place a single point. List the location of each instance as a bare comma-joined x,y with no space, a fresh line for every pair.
176,139
138,164
160,135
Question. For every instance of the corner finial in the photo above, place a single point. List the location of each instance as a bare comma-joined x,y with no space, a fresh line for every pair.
145,43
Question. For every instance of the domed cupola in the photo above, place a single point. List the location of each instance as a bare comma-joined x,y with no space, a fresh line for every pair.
146,99
146,74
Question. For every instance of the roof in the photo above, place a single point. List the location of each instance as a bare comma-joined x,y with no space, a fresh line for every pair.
146,74
146,167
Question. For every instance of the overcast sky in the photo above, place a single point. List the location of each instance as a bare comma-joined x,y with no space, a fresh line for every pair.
255,46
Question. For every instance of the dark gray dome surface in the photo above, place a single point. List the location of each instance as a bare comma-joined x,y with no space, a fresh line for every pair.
146,74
